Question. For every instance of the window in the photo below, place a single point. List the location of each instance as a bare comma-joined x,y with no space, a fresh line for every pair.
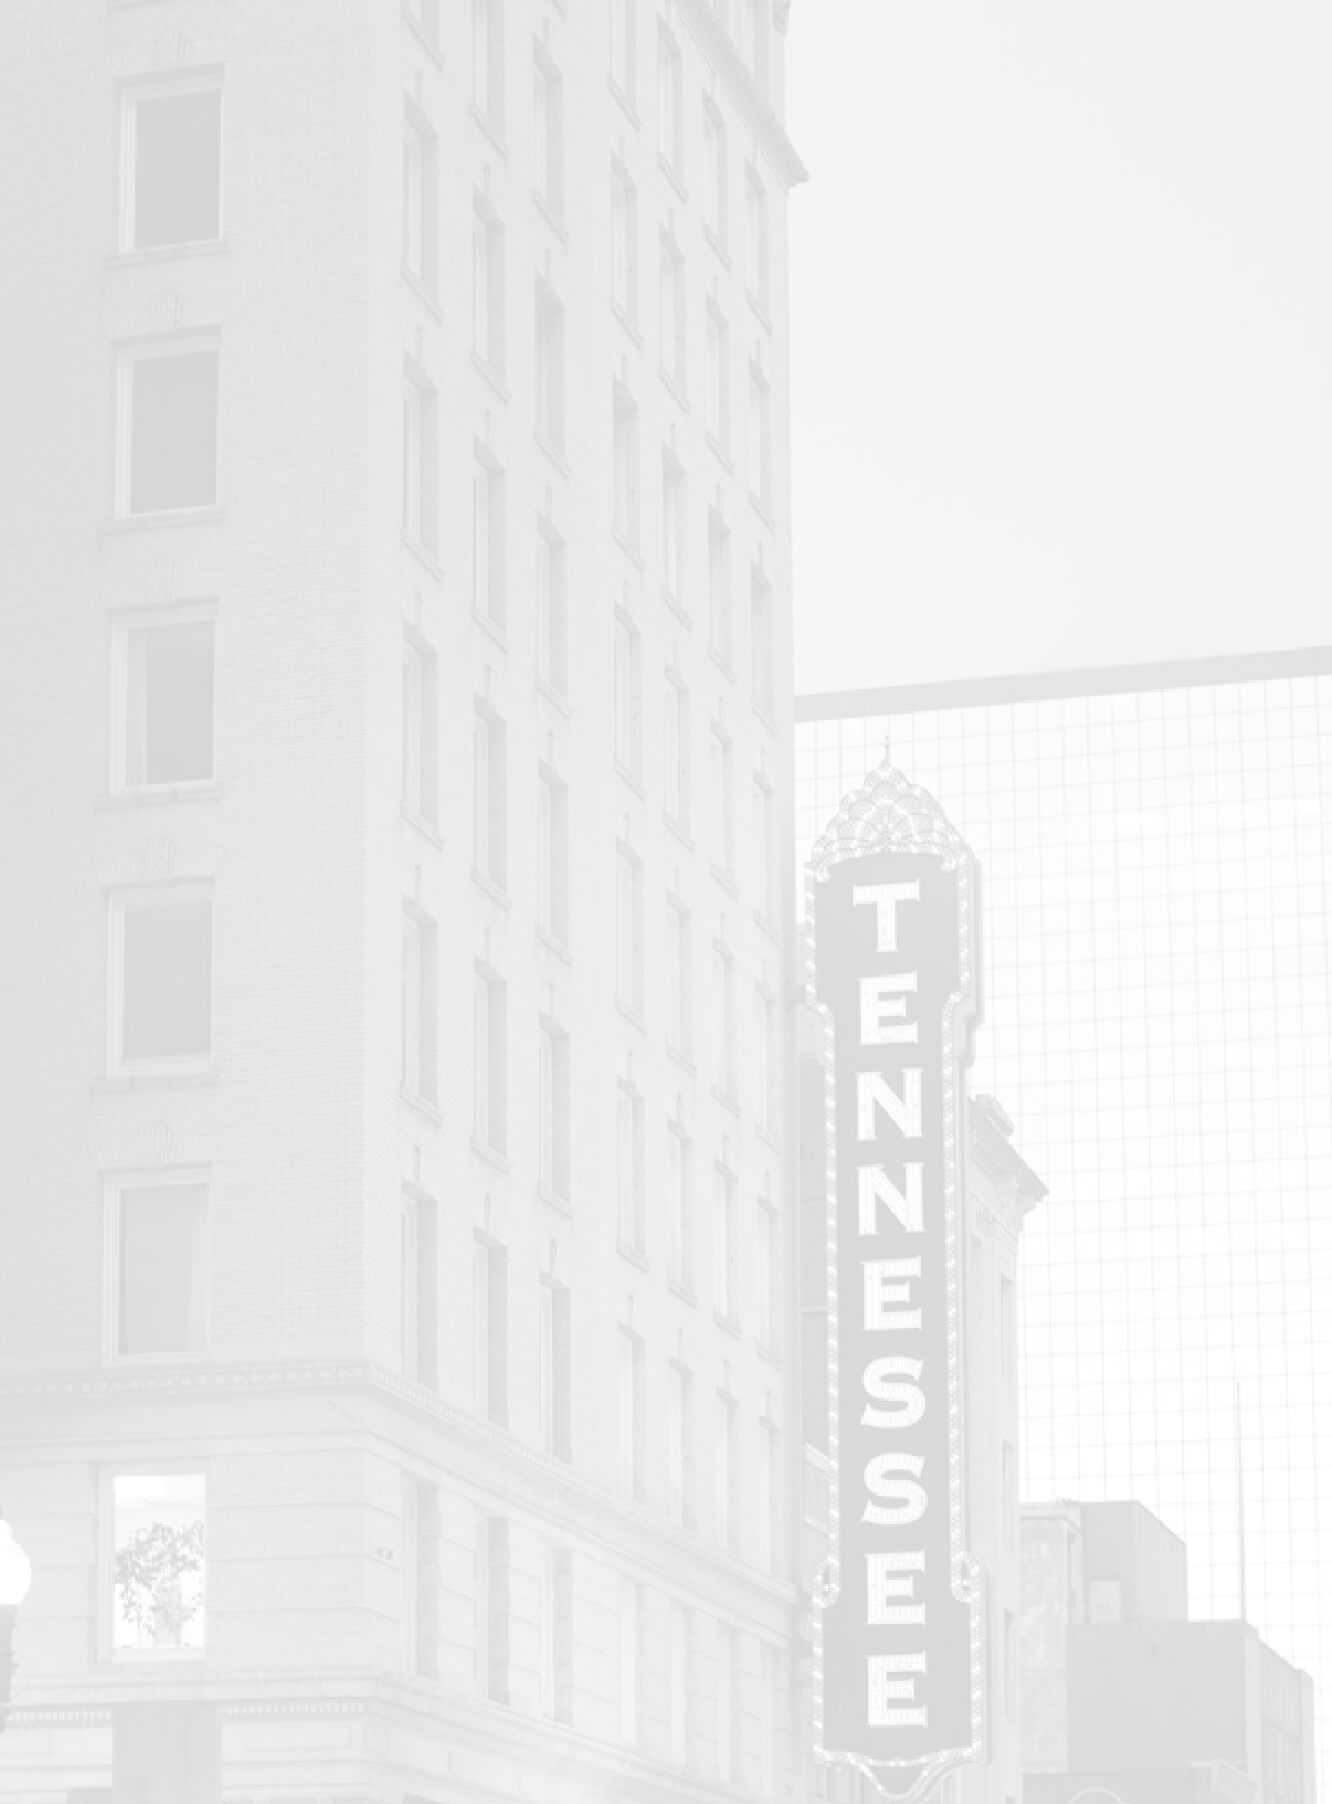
556,1385
418,463
714,173
169,428
557,1635
625,429
728,1689
629,1170
631,1382
765,861
158,1240
680,1674
769,1489
553,1104
623,24
488,287
549,368
672,310
765,1061
424,14
159,1552
757,249
675,752
490,1062
726,1470
164,682
420,714
1010,1483
718,418
672,527
171,165
630,1614
760,437
679,986
723,808
490,1332
756,41
162,978
679,1210
721,636
624,244
419,1619
769,1716
488,507
553,856
488,60
768,1276
492,1608
552,623
628,930
762,669
490,798
548,132
419,967
670,103
723,978
1010,1666
1007,1329
680,1444
724,1249
627,687
418,1289
420,203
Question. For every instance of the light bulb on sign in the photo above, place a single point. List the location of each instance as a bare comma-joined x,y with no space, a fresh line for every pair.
15,1569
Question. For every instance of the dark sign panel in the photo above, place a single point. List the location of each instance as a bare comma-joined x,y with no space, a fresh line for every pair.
899,1641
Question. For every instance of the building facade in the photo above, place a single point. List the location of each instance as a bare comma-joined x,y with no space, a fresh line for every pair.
1157,1019
397,1266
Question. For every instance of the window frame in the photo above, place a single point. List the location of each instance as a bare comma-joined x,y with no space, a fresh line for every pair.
118,899
129,354
123,626
114,1186
164,87
106,1560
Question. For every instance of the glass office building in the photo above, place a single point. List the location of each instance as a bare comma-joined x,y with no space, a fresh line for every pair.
1157,854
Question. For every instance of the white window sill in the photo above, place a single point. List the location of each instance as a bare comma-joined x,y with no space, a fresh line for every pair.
205,789
168,253
423,291
422,1104
169,517
425,828
426,558
492,130
180,1076
495,891
556,947
491,374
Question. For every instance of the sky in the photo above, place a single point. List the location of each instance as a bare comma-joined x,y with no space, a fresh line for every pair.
1062,313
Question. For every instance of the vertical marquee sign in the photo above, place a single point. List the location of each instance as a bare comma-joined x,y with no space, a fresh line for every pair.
899,1643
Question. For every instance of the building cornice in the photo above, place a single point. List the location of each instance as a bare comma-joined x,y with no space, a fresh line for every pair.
759,115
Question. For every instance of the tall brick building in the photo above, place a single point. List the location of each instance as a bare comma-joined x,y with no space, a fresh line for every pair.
397,1377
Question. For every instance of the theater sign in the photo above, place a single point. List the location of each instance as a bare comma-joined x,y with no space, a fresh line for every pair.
899,1641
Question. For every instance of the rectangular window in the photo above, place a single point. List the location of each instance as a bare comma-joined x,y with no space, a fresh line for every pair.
420,717
548,133
1010,1482
158,1238
424,14
417,1287
721,634
679,985
488,60
556,1371
159,1554
169,428
718,398
162,978
762,645
672,310
757,249
629,1173
557,1635
626,697
624,243
725,1300
672,527
419,513
553,856
490,1062
728,1693
1010,1666
1007,1329
670,103
623,26
488,286
552,613
724,1053
553,1104
680,1674
629,930
768,1276
769,1717
760,437
714,173
679,1210
490,798
765,859
765,1061
675,752
488,540
625,447
756,42
723,807
420,203
171,165
630,1614
769,1491
420,1573
165,686
419,969
725,1470
549,368
493,1570
680,1444
631,1403
490,1332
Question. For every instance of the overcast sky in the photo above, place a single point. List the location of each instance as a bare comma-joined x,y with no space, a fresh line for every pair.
1062,289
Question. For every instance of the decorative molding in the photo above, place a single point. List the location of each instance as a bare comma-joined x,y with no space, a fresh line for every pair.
165,53
887,814
164,311
726,59
162,860
155,1146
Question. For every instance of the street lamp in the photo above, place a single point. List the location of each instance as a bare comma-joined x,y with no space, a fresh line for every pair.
15,1577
